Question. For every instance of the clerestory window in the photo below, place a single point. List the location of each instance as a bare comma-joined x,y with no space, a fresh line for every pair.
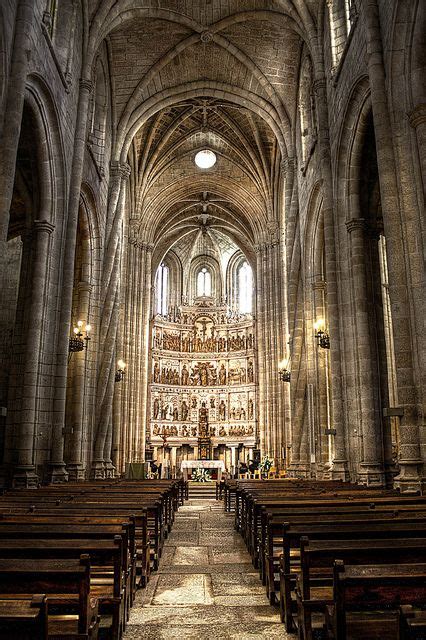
162,289
245,288
204,282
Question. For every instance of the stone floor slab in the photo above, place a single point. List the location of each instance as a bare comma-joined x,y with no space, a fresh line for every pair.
173,590
205,586
190,556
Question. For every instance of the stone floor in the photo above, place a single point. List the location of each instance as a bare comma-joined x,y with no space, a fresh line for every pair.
206,586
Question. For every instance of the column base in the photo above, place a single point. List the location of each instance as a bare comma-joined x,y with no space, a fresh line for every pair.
76,472
98,470
409,479
25,477
58,473
109,469
339,470
391,471
299,470
371,474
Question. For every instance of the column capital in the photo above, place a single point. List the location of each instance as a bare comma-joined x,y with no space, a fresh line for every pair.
119,169
85,287
287,164
418,115
43,226
86,84
319,84
356,224
319,285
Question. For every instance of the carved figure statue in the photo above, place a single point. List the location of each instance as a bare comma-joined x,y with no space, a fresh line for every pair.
222,410
156,373
184,410
212,403
250,371
175,413
222,374
156,408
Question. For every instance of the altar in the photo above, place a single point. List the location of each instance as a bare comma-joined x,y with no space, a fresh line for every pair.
187,465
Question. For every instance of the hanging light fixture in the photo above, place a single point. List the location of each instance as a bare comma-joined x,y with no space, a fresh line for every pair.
80,338
283,372
323,338
121,370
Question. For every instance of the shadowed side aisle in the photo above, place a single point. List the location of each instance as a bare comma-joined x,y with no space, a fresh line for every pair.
206,586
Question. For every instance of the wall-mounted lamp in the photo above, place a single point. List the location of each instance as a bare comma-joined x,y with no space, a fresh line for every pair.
283,372
321,335
80,339
121,370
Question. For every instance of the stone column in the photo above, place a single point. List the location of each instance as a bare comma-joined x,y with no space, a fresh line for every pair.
371,470
110,304
340,466
75,466
24,473
14,105
57,471
409,478
145,358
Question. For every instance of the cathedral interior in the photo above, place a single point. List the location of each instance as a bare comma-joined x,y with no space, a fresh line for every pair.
212,231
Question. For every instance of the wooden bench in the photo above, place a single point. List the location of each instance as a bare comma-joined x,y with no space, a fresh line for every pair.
293,533
24,619
66,583
367,599
314,583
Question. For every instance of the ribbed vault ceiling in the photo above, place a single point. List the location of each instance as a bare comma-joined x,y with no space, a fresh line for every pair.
199,74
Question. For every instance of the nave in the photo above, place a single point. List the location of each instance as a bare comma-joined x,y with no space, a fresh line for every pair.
206,585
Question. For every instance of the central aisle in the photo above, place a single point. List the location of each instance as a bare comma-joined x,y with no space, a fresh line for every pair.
206,586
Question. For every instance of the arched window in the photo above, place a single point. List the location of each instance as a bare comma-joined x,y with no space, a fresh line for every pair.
204,282
162,289
245,288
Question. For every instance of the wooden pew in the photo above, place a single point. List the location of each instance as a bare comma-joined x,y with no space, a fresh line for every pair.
367,599
292,534
66,583
111,595
314,583
24,619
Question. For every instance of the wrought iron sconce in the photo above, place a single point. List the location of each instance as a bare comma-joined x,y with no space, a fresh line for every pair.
80,339
283,372
119,374
321,335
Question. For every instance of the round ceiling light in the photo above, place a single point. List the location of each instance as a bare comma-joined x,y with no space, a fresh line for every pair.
205,159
